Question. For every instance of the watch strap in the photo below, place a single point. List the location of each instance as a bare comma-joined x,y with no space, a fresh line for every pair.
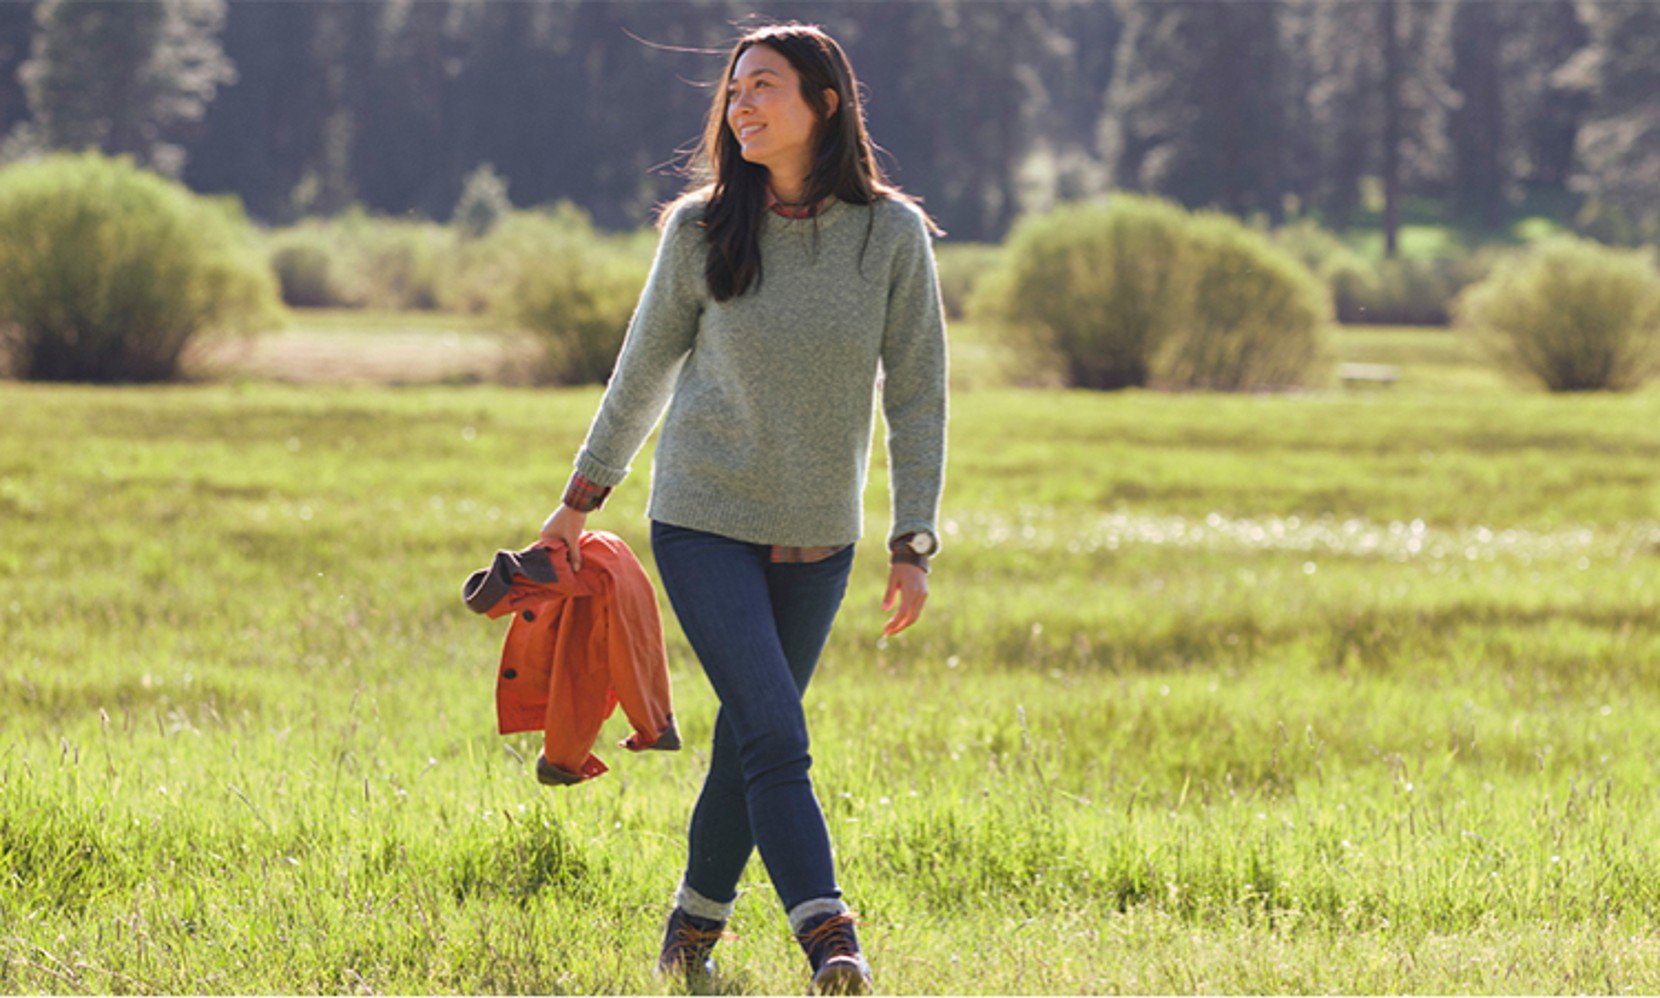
901,552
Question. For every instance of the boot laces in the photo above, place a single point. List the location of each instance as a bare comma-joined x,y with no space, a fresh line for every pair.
834,935
699,940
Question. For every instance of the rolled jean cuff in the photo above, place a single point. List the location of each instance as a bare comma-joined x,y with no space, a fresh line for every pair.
696,904
814,906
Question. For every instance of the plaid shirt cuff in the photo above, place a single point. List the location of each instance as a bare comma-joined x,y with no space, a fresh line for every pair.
584,496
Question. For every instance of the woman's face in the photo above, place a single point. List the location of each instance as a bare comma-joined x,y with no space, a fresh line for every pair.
766,112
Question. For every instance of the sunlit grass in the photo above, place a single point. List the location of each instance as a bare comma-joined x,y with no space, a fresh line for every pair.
1341,691
1414,241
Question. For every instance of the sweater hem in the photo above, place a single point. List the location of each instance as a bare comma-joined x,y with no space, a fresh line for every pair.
754,522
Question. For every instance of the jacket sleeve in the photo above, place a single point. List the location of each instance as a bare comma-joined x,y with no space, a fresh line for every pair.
658,338
914,378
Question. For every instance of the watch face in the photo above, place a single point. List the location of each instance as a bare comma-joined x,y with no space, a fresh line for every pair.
922,544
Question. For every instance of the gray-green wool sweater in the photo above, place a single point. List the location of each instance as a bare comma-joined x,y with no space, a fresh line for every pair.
772,395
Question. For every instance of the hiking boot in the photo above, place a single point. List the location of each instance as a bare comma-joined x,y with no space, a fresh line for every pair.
687,942
833,952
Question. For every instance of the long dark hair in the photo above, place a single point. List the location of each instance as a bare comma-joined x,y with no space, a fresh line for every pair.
733,189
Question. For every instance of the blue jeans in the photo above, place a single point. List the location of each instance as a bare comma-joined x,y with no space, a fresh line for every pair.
757,627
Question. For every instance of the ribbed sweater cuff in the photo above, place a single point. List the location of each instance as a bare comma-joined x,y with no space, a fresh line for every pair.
597,471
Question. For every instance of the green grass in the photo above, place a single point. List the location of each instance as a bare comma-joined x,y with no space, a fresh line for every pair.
1344,691
1412,241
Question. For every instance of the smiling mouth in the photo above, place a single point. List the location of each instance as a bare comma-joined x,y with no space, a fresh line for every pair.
749,130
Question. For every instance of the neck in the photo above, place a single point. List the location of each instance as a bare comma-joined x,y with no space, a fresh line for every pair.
789,191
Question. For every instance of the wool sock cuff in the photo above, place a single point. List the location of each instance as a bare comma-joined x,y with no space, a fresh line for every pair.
814,906
696,904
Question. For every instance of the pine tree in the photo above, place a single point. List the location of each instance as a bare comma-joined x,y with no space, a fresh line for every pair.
1619,146
1416,98
124,77
1550,105
1516,116
1371,79
16,28
1197,107
260,137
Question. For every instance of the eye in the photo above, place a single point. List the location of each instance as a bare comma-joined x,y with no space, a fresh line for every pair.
731,93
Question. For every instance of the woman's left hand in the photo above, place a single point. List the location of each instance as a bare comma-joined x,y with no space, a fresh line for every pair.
911,583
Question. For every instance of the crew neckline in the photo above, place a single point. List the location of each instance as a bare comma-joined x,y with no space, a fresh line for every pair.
827,217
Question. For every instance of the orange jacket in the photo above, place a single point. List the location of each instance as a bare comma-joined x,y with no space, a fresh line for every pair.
580,643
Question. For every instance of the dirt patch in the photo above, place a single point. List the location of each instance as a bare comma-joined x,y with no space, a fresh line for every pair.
381,356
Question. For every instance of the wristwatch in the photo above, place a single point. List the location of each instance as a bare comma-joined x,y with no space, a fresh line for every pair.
913,548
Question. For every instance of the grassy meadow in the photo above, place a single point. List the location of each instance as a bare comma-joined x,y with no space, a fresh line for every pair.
1352,690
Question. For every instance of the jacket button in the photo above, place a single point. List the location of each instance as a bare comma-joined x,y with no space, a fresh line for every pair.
528,615
510,674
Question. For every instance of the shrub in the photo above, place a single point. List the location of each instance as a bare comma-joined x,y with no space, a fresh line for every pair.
304,259
1317,248
1258,315
107,271
481,272
1136,291
1399,290
1570,313
392,262
961,266
1611,223
1100,285
575,290
483,202
1402,290
356,260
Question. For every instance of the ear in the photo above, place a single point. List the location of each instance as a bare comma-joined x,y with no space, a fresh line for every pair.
834,100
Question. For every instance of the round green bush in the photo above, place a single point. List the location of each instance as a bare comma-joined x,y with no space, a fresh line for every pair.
961,265
305,269
576,292
107,271
392,263
1403,290
1400,290
358,260
482,273
1569,313
1258,315
1318,248
1136,291
1099,285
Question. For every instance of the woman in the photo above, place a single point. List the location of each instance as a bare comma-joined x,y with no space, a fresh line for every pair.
777,291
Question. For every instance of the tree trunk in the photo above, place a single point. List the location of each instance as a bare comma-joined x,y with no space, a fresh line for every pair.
1391,124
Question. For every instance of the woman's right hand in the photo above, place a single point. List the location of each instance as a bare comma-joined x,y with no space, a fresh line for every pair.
565,526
